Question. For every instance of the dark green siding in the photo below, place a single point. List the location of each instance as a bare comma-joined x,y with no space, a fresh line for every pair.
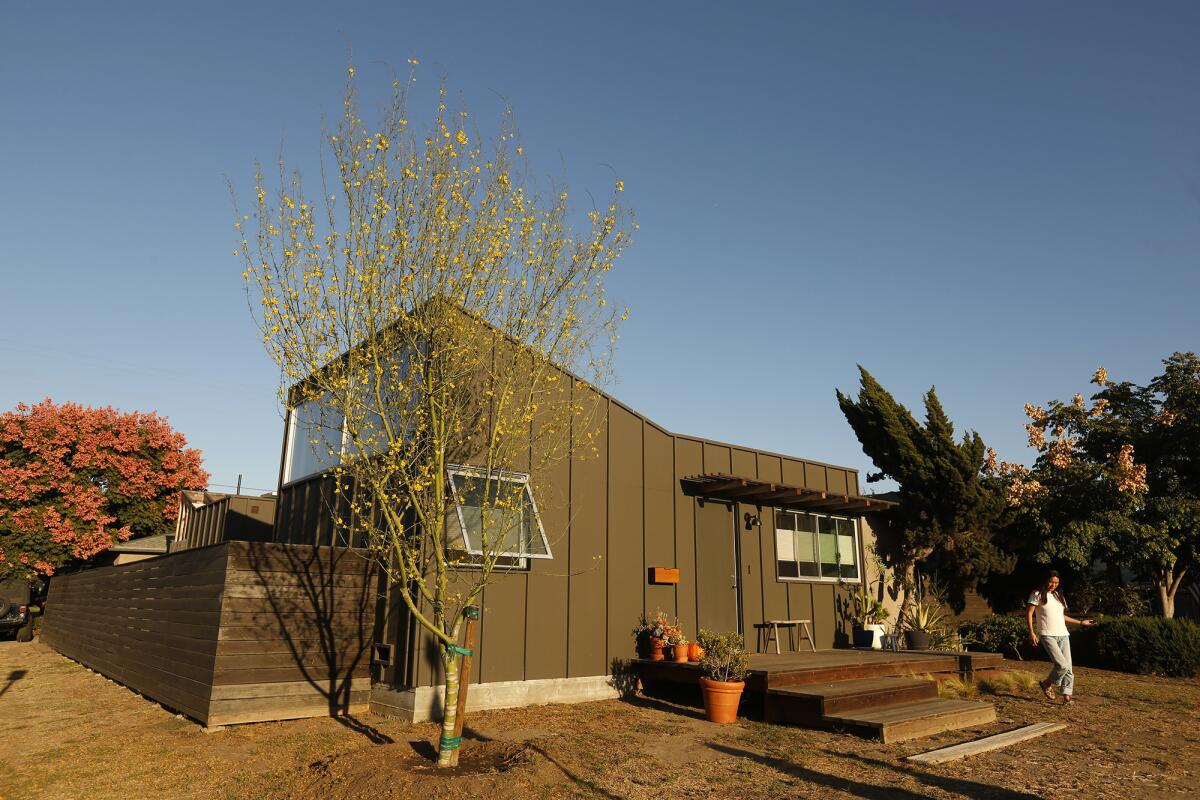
610,515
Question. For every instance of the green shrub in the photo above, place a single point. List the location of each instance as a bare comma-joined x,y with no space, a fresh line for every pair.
1096,595
996,634
1145,645
724,658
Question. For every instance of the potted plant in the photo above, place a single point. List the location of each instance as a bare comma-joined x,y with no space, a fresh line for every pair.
650,635
677,642
870,617
695,652
924,620
724,665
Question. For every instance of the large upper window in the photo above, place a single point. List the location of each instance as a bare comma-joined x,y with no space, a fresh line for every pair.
816,547
375,398
495,514
321,434
314,439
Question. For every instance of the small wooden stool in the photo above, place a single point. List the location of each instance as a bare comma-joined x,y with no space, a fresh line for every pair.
768,631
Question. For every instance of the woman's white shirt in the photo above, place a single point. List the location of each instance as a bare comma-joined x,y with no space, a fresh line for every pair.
1050,617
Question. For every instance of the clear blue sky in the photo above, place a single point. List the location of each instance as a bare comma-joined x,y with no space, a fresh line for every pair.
991,198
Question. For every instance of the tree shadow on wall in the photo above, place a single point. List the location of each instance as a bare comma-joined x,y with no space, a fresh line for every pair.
311,609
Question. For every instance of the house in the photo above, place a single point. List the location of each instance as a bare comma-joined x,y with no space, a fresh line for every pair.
744,535
248,621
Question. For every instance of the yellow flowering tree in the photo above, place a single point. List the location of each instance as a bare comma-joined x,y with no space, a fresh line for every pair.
420,304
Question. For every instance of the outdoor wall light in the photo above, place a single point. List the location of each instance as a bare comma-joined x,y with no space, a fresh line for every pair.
753,520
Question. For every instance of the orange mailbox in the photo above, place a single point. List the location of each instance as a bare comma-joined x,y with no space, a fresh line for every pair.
664,575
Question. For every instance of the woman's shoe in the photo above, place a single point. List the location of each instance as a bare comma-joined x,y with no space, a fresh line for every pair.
1068,700
1048,690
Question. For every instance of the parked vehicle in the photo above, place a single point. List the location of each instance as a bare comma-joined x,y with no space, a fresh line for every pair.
15,617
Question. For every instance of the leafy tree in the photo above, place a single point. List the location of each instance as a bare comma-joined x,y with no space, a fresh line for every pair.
423,303
949,506
75,481
1117,481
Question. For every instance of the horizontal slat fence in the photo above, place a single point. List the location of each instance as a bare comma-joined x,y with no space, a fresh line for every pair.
236,632
297,623
152,625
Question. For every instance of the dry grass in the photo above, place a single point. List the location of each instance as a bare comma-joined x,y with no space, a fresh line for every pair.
71,734
1016,682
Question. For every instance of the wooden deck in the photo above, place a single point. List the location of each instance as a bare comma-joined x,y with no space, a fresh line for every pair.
771,671
885,695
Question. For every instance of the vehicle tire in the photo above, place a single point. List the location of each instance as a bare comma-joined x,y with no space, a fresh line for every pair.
25,632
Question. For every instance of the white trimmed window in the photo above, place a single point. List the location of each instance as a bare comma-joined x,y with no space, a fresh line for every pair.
495,513
815,547
314,439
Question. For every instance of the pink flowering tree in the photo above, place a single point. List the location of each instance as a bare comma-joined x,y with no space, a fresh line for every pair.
74,481
1116,479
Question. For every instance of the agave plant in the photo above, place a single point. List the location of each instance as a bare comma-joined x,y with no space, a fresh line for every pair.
925,616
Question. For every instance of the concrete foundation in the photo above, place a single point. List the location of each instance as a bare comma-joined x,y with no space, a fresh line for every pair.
425,703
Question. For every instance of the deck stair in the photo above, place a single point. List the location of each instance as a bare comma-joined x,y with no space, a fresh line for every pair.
896,723
891,709
882,695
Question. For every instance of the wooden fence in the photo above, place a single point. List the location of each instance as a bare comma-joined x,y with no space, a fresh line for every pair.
235,632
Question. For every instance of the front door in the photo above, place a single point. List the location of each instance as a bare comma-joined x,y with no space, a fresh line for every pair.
718,594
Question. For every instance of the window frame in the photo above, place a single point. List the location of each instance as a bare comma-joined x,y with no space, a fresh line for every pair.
289,449
857,536
504,475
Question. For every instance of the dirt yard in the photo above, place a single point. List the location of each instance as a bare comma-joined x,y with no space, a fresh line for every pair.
69,733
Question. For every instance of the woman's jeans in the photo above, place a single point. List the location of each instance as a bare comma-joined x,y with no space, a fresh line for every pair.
1059,650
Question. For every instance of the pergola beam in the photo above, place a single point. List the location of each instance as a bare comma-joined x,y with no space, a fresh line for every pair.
792,494
722,486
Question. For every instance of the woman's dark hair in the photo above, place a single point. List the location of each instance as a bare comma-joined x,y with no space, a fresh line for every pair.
1044,595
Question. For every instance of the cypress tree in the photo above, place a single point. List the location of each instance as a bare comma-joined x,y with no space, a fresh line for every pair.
948,506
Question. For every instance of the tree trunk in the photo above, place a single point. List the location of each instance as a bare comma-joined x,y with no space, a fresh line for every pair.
448,755
1167,599
907,586
1168,583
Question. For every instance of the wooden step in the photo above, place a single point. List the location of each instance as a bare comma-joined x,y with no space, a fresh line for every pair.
910,666
896,723
968,661
822,700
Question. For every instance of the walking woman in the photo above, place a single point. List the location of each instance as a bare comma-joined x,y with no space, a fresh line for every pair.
1050,610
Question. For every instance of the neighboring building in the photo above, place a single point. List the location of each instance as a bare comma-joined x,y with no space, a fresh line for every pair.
211,518
134,550
754,535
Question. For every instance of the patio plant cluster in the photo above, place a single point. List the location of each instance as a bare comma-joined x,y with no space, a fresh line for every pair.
655,634
722,658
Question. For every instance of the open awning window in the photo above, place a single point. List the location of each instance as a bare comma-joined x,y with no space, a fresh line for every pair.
495,513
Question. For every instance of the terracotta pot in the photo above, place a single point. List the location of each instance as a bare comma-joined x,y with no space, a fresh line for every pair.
681,652
695,651
656,649
721,699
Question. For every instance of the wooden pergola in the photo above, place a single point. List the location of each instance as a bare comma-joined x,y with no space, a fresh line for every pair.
735,488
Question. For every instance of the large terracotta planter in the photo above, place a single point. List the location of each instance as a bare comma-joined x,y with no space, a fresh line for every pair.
656,649
680,651
695,652
721,699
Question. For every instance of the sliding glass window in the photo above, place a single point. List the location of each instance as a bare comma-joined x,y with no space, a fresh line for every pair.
815,547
